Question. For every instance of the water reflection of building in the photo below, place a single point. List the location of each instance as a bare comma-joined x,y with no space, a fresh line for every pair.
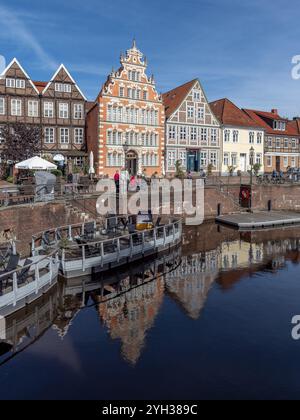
239,254
129,316
190,283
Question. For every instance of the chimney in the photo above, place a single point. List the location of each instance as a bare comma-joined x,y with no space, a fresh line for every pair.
274,111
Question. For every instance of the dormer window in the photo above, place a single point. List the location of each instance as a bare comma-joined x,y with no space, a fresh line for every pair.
279,125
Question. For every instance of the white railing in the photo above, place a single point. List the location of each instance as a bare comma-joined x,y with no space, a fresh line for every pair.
41,272
126,246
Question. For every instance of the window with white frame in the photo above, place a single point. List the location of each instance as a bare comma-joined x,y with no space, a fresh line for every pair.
235,136
251,137
234,159
10,83
78,111
49,134
20,84
190,112
226,159
16,107
278,143
258,159
270,142
121,92
109,113
269,161
171,158
182,133
285,161
78,135
63,110
48,109
33,109
145,95
129,93
182,158
203,135
193,133
201,113
15,83
279,125
64,136
294,143
2,106
197,96
115,159
259,138
293,161
214,159
214,136
286,143
203,159
227,136
63,87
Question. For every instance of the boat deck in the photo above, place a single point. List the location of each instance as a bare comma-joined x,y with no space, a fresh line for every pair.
260,220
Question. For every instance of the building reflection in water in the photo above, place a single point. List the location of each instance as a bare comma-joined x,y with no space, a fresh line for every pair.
128,303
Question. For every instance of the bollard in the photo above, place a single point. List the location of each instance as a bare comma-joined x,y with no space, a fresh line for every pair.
219,210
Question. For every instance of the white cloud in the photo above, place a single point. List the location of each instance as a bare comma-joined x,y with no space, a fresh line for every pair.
19,33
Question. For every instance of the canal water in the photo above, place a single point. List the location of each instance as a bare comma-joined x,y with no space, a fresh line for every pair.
211,319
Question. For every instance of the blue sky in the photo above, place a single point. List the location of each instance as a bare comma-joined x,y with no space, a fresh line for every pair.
240,51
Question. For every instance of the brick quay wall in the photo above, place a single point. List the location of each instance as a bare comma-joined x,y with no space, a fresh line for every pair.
25,221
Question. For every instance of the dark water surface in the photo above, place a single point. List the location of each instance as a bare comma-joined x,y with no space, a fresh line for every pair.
210,320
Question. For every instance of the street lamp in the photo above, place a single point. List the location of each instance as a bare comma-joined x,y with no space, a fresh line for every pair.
252,154
125,148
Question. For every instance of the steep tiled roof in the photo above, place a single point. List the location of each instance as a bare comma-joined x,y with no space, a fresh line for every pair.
40,86
229,114
262,117
175,97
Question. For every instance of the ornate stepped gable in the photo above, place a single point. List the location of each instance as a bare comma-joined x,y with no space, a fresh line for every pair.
131,113
132,61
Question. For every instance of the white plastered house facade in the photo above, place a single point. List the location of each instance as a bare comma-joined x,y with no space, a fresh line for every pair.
237,143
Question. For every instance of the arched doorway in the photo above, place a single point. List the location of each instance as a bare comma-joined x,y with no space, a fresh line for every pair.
132,162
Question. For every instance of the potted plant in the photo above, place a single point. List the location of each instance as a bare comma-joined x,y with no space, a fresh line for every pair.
231,170
210,169
178,170
256,168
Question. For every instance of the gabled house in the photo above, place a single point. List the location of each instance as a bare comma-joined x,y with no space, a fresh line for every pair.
193,134
57,106
282,140
125,127
240,133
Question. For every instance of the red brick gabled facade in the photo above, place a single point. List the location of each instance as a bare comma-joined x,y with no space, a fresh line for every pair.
125,127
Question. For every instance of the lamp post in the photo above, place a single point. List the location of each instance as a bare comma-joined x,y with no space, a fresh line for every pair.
125,148
251,174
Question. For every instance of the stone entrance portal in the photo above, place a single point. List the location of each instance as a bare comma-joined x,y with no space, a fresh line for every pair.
132,162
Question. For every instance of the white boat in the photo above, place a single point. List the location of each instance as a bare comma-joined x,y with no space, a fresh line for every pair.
94,246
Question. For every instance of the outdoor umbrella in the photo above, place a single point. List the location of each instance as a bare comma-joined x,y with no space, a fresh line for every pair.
91,169
36,163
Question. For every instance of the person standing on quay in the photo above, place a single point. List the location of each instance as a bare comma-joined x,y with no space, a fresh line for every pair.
117,181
